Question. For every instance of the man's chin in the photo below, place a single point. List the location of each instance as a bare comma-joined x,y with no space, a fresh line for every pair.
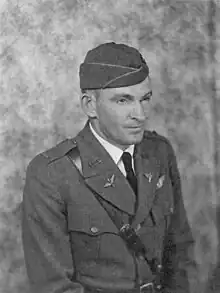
136,138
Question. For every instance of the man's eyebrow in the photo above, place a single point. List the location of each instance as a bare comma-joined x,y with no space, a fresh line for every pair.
127,96
148,95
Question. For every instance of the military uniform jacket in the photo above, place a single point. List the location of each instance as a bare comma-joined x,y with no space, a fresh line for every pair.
71,244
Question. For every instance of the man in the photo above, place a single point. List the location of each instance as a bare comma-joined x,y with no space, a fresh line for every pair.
103,212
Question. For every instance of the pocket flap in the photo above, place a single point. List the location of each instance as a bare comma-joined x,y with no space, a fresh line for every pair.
88,221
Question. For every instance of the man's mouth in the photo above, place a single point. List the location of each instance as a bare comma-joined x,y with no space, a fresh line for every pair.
136,127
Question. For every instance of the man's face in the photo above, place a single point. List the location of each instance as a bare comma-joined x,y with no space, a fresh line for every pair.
121,113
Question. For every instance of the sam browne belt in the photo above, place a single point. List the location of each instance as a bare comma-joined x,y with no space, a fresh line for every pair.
129,236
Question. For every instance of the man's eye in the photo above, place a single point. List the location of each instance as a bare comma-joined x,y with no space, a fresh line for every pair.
122,101
147,97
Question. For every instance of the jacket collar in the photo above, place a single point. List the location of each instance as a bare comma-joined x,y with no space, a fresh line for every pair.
114,151
103,176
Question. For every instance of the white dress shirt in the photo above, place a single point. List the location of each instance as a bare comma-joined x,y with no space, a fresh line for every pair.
114,151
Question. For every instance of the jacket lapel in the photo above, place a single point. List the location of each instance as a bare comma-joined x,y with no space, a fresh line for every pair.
102,175
147,169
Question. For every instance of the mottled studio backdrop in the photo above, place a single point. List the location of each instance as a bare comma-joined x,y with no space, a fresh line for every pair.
42,43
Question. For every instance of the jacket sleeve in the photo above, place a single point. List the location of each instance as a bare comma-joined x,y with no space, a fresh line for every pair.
47,251
178,249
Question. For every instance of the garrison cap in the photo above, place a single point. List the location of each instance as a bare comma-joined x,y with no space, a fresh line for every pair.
112,65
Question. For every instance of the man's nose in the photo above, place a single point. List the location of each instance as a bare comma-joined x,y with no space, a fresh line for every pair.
138,112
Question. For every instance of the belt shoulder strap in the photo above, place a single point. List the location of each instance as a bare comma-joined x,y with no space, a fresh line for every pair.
74,157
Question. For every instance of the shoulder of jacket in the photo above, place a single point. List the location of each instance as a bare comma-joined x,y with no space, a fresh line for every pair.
59,150
40,163
158,138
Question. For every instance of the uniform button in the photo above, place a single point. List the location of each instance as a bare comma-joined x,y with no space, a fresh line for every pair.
94,230
141,258
159,267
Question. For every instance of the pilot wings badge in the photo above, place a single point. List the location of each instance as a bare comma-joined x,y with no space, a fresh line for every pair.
110,182
149,176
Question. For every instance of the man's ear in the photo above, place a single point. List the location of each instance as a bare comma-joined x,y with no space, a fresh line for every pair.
88,104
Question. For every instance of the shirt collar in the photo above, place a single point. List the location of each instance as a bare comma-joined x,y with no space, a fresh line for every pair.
114,151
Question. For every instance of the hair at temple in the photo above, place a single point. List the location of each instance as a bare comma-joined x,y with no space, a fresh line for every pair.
95,92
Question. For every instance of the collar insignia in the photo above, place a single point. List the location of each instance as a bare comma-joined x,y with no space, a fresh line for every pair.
94,163
160,182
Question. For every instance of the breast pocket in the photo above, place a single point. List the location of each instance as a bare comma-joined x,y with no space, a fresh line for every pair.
86,227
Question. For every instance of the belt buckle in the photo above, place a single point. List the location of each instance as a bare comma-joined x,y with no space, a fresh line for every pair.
147,287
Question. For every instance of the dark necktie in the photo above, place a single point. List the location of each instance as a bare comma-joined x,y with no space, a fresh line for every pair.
127,160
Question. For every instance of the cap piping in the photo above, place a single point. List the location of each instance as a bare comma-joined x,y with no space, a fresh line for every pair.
123,75
112,65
